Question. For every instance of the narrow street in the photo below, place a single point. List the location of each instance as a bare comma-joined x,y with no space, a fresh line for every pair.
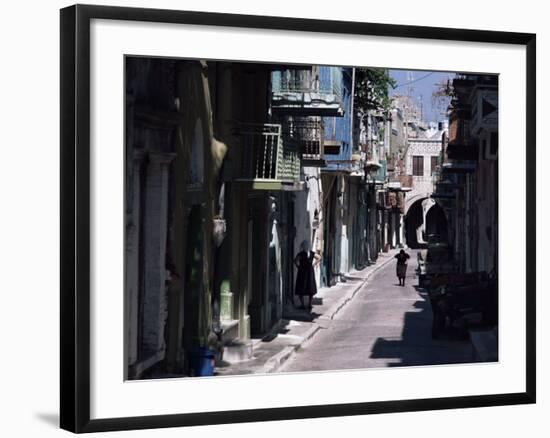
315,169
384,325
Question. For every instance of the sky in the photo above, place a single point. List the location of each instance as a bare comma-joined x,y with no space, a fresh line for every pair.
422,84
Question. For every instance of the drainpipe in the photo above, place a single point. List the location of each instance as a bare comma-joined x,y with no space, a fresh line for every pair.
351,109
351,118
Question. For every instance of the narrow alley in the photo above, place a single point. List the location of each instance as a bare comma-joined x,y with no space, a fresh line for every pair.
384,325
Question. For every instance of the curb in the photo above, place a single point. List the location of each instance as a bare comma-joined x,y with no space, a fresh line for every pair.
276,361
331,313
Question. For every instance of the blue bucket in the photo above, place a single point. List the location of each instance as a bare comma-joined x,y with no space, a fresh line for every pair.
201,362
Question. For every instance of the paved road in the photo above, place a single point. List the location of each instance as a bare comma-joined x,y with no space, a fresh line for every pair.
384,325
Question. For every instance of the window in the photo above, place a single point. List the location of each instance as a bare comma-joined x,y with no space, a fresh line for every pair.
433,163
418,165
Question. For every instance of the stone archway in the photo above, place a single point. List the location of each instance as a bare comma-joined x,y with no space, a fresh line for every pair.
436,222
424,217
411,198
414,220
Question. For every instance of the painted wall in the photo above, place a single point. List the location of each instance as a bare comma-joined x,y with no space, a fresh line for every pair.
309,221
339,128
422,185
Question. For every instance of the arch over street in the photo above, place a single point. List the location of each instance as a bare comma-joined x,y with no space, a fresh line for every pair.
424,217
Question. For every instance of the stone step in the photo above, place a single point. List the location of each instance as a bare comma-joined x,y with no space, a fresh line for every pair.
237,351
230,330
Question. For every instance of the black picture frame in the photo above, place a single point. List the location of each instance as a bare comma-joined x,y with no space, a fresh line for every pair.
75,217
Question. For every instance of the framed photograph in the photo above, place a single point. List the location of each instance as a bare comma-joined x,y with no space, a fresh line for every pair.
270,218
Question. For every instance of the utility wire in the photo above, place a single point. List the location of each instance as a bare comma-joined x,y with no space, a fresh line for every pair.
415,80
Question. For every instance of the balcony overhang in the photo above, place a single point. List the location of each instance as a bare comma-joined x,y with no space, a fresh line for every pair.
348,167
314,162
467,152
307,103
372,165
437,195
446,186
271,185
395,186
374,183
332,147
277,67
459,167
337,170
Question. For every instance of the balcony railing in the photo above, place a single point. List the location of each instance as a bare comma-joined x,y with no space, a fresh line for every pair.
322,80
309,135
313,91
395,200
382,172
268,155
294,81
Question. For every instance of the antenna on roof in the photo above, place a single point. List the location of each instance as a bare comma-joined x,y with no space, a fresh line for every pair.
410,80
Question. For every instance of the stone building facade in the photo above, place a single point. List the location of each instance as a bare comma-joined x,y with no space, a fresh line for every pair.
470,169
422,162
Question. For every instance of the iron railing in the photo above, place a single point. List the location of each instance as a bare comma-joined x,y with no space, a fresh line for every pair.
316,80
309,135
382,171
268,154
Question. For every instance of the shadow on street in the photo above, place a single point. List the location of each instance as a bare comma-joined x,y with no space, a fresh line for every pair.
416,346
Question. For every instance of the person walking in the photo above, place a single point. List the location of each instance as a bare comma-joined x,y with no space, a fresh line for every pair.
305,261
401,270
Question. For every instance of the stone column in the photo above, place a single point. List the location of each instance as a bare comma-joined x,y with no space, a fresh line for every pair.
388,227
468,227
133,213
393,228
402,231
155,223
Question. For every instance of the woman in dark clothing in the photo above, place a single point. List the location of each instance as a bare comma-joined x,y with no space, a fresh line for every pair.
305,260
402,258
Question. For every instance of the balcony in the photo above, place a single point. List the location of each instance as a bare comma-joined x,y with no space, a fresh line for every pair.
307,91
400,182
309,134
269,159
395,200
462,151
459,129
461,167
382,172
